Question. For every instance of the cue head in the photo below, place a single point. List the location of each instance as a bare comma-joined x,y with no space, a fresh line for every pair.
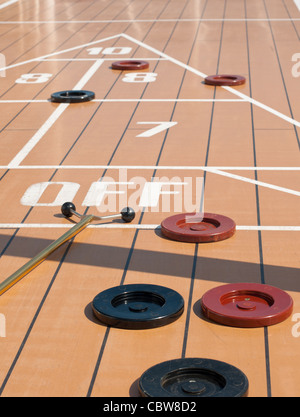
66,209
128,214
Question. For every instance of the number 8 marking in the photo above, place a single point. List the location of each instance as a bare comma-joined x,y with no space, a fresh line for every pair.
139,77
33,78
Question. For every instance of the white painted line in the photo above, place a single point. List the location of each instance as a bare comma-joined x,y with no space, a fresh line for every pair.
104,59
270,228
29,22
263,106
23,101
69,225
7,3
52,119
255,168
260,183
172,100
153,167
161,126
90,72
297,3
37,137
201,74
134,226
143,100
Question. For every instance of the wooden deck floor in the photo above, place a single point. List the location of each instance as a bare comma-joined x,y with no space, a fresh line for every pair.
241,143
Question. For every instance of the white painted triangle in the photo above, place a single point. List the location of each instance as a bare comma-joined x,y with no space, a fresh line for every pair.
171,59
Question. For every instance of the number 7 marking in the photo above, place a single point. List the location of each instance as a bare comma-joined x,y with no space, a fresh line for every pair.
160,128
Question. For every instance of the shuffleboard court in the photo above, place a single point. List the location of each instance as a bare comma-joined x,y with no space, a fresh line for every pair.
157,138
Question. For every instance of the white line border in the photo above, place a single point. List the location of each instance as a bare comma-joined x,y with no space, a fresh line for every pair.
154,167
7,3
30,22
134,226
142,100
297,4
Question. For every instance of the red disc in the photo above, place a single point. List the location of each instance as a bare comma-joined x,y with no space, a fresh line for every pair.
247,305
225,79
130,65
198,227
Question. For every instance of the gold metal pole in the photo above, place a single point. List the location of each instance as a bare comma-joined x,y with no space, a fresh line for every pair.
20,273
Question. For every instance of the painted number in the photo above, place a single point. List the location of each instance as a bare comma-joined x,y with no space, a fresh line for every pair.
33,78
138,77
296,67
154,130
117,50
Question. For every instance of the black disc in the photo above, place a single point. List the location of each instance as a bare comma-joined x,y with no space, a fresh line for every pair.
72,96
193,377
138,306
